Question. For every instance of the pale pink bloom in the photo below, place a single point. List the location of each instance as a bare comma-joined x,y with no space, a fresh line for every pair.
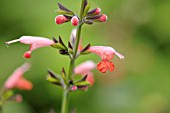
85,69
16,80
106,53
73,36
74,21
34,41
73,39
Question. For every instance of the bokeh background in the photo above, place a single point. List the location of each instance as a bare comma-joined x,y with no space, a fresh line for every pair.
139,29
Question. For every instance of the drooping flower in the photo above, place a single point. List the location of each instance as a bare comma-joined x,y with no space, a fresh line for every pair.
106,53
34,41
85,69
16,80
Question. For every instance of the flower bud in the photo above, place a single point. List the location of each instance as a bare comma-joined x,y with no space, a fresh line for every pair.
60,19
97,11
103,18
27,54
75,21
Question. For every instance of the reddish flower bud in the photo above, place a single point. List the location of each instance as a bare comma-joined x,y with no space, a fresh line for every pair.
97,11
60,19
73,88
75,21
103,18
27,54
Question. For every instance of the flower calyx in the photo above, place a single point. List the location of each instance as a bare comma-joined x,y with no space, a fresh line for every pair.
63,10
57,79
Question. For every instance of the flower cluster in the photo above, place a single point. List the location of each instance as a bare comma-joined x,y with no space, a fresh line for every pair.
91,16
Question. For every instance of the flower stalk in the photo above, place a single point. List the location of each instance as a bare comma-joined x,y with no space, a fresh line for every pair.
66,93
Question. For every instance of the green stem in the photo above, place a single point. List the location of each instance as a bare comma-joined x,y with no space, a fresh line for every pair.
65,102
66,93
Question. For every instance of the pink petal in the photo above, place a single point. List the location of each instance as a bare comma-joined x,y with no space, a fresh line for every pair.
16,76
84,67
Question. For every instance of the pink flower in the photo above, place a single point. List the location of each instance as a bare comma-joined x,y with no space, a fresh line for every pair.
85,69
35,42
16,80
106,53
75,21
103,18
60,19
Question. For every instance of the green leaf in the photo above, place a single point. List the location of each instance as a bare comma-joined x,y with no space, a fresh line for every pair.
62,12
82,83
53,80
86,9
58,46
7,94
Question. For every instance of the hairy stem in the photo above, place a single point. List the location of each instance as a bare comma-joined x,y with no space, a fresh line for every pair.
66,93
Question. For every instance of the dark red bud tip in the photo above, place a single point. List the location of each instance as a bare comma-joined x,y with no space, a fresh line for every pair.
60,19
97,11
27,54
75,21
103,18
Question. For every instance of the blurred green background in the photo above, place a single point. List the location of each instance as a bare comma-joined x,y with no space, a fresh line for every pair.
139,29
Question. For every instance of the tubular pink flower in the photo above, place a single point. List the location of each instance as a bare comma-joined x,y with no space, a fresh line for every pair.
75,21
16,80
85,69
106,53
35,42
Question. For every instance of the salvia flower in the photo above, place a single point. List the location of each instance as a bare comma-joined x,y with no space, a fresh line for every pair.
60,19
35,42
106,53
75,21
16,80
85,69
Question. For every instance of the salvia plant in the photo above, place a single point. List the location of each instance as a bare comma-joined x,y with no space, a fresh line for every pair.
75,78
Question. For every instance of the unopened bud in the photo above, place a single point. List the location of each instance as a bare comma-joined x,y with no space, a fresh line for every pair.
73,88
60,19
27,54
103,18
75,21
97,11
